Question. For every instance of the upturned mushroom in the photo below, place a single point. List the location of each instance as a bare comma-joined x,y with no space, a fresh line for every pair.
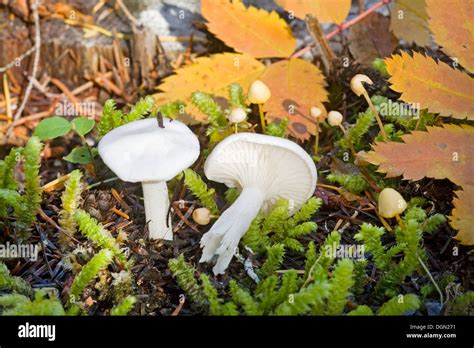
264,168
142,151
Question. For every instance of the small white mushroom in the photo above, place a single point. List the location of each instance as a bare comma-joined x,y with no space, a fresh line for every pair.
391,203
202,216
335,118
143,152
264,169
315,112
358,88
237,115
259,94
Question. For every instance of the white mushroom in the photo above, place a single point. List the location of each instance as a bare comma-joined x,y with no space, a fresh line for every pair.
143,152
264,169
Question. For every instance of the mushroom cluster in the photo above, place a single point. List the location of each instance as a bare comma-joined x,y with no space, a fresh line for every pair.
264,169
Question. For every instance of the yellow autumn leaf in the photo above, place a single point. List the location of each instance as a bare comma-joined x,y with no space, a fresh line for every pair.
453,29
409,21
462,217
212,75
326,11
249,30
434,85
296,85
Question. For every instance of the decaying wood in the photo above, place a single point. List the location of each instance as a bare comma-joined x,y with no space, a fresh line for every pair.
148,57
324,51
70,57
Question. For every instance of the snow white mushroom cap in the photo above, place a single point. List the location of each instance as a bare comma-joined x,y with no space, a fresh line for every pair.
264,168
142,151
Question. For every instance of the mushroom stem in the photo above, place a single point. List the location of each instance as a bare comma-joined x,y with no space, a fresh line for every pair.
262,118
223,238
316,140
376,114
400,221
157,205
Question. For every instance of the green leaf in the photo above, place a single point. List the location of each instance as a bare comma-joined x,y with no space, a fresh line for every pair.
82,125
80,155
52,127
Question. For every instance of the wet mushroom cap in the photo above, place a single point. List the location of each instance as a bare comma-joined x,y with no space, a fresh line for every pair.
277,167
141,151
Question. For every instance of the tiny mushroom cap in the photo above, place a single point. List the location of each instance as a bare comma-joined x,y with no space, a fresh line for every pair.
334,118
391,203
141,151
264,169
202,216
357,86
258,93
237,115
315,111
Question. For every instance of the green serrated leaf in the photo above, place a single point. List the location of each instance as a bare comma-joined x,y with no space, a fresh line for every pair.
82,125
52,127
80,155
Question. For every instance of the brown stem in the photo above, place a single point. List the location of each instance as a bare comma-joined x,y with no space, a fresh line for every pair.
316,140
376,114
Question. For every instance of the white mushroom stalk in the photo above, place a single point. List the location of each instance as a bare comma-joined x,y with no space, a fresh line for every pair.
142,151
264,168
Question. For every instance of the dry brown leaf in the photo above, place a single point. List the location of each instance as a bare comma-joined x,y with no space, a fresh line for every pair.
409,21
453,28
327,11
462,217
296,85
209,74
365,41
439,153
434,85
249,30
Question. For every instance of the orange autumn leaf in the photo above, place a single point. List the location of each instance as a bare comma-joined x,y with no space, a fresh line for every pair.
212,75
462,217
434,85
440,153
249,29
326,11
453,30
296,85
